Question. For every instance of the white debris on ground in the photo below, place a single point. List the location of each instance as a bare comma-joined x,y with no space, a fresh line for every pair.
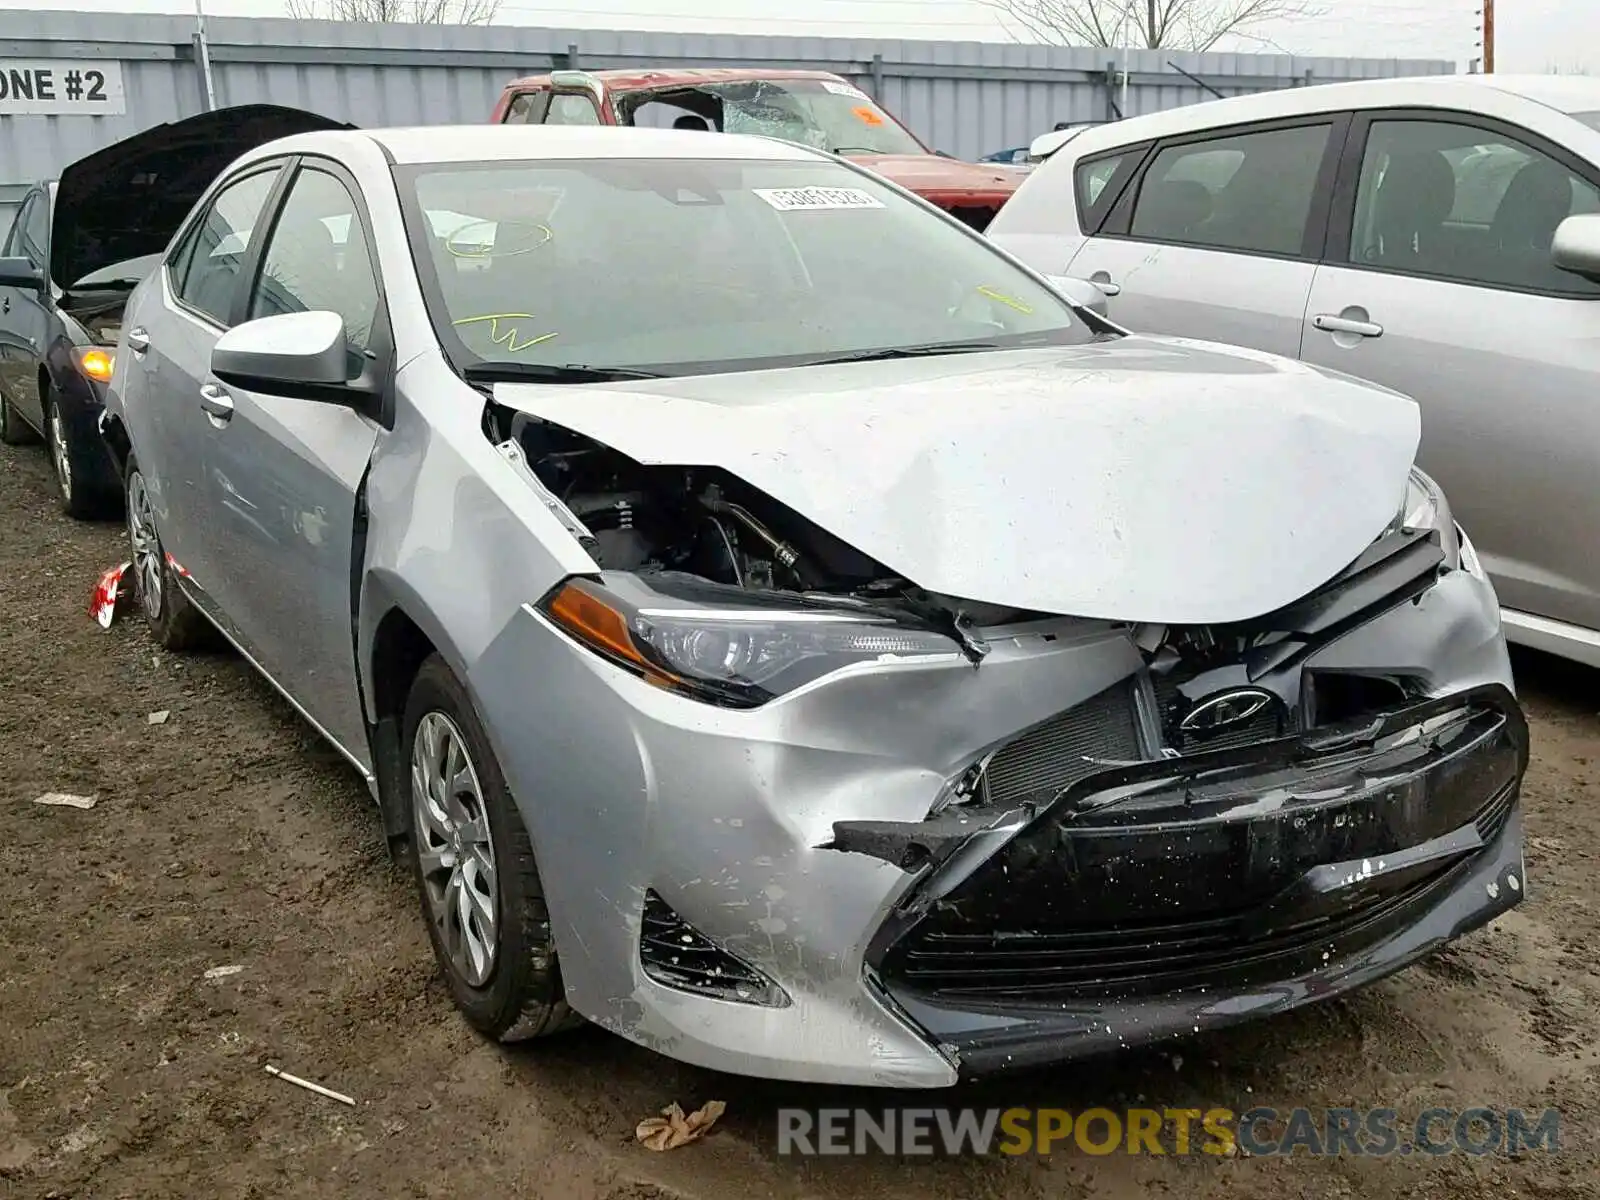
309,1086
223,972
158,718
65,800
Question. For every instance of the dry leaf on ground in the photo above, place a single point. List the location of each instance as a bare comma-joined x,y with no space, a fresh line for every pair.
672,1129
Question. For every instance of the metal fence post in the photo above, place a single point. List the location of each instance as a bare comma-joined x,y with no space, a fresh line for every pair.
572,56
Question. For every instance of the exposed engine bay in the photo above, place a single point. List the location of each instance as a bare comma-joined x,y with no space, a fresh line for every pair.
99,313
678,526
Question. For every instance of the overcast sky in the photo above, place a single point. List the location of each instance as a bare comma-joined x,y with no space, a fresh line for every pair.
1534,35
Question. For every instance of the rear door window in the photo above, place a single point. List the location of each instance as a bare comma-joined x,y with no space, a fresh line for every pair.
1090,178
206,272
36,229
1250,192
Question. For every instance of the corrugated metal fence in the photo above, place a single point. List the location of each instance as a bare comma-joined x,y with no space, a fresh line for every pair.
967,98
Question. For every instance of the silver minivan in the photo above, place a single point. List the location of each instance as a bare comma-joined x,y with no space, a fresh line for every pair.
1439,236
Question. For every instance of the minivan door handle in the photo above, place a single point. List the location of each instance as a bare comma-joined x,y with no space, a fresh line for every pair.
215,400
138,340
1329,323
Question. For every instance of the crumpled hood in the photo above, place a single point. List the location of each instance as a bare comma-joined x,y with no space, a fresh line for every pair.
946,178
1146,479
127,200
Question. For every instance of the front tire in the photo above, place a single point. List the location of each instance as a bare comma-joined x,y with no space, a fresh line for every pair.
473,862
14,431
176,624
79,493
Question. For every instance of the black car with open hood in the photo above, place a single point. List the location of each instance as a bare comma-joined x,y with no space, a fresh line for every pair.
75,250
128,199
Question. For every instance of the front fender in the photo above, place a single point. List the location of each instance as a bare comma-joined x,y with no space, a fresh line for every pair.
455,539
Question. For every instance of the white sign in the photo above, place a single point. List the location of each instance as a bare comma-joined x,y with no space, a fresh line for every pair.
56,87
806,199
843,89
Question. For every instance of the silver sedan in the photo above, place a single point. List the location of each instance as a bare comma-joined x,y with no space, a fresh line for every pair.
784,630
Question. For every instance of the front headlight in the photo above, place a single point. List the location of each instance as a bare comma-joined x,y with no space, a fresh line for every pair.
1425,507
737,658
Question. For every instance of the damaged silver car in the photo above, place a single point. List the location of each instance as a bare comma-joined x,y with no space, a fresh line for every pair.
785,631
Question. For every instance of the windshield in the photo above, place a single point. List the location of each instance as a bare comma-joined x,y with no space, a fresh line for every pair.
685,266
826,114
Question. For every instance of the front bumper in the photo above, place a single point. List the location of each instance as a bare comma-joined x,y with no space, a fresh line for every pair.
735,820
1159,900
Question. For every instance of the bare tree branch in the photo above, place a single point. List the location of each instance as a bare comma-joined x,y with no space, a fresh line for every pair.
1157,24
409,12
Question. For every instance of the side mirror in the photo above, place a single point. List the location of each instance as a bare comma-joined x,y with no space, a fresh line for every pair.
1081,292
1576,246
21,272
299,354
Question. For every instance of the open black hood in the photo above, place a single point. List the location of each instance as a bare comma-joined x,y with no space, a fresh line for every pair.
128,199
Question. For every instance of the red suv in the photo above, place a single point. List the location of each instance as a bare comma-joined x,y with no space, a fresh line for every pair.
814,108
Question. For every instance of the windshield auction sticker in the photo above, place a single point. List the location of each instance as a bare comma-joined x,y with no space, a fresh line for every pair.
807,199
51,87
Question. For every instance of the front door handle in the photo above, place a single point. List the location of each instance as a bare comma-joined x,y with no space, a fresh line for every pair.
5,304
1329,323
1102,280
138,340
216,401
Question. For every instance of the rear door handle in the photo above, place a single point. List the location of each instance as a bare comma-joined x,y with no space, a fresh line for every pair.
1329,323
5,304
216,401
138,340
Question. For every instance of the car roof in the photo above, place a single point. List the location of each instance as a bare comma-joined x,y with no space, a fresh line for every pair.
501,143
634,80
1568,94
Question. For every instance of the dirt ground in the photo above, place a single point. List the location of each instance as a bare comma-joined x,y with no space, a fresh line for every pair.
228,836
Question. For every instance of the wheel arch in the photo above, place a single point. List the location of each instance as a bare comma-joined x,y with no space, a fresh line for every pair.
397,632
114,433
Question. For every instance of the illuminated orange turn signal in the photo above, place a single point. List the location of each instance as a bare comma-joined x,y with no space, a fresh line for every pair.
581,609
96,363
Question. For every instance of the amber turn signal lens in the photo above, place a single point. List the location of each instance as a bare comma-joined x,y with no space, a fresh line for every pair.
97,363
582,610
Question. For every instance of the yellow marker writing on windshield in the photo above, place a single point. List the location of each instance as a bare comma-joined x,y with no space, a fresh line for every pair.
1008,301
508,339
460,248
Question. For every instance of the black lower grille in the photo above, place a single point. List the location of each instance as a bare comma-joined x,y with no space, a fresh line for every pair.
676,954
1152,958
1061,751
1173,873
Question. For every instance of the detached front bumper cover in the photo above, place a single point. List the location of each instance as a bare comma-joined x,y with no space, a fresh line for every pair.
1155,900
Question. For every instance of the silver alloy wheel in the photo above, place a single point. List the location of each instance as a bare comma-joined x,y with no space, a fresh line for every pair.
146,547
455,848
58,451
